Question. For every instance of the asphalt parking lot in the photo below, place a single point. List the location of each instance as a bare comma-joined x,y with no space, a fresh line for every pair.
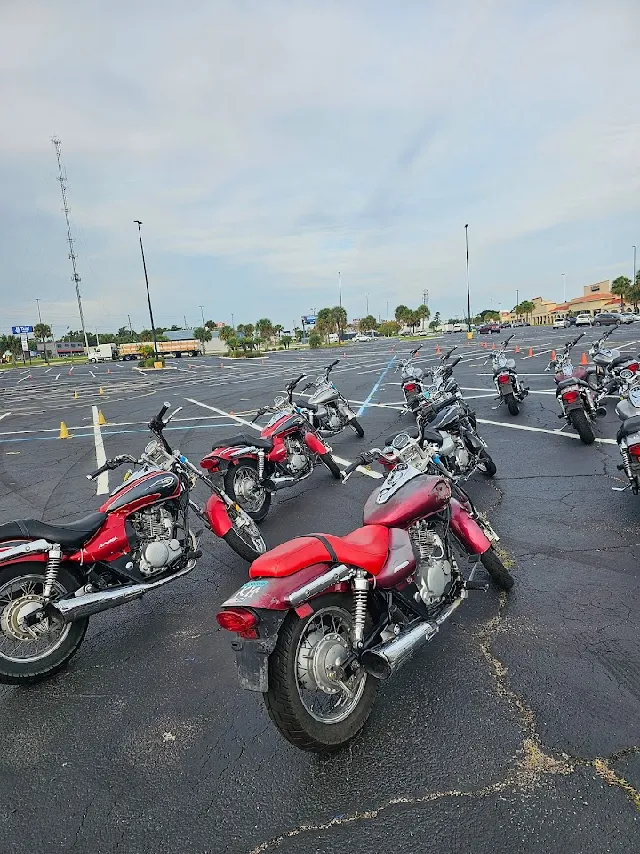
516,729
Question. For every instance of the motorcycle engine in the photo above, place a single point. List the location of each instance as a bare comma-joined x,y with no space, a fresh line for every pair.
298,459
462,455
158,546
434,573
333,420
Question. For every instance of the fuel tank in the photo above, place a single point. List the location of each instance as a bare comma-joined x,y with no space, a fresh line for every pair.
164,484
325,396
406,495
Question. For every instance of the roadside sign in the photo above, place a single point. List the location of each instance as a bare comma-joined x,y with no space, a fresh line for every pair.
21,330
25,343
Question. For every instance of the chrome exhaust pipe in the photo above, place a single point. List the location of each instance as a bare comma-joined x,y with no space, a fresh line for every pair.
383,660
274,484
78,607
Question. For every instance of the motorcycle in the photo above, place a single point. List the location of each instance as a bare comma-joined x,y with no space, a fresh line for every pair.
327,410
412,379
54,577
628,437
323,619
611,369
463,450
578,401
510,390
286,452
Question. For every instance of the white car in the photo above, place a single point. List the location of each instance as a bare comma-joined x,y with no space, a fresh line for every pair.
334,338
561,323
583,320
362,337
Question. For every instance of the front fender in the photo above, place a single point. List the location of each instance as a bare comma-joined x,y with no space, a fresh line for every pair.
218,516
314,444
467,530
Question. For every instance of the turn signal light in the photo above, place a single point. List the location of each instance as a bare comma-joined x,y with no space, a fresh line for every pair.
503,378
634,450
239,620
570,396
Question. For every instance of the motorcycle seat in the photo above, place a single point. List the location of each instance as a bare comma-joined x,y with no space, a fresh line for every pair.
569,382
621,360
431,436
629,426
241,440
366,547
71,535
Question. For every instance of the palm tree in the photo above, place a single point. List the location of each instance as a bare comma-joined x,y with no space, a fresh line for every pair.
264,328
401,314
325,322
339,316
423,312
278,329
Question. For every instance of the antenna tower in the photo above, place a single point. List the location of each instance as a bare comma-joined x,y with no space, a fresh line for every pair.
62,177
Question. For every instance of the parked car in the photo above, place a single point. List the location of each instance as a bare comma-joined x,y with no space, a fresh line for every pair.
629,317
583,320
571,321
607,318
459,327
489,329
334,338
560,323
362,337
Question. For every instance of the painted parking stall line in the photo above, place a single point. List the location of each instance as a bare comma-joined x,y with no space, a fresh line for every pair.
101,457
375,387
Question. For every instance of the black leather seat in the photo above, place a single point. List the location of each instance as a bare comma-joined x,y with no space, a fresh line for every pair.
621,360
71,535
569,382
631,425
242,439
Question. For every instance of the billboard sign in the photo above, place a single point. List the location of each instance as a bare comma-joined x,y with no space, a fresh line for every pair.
25,343
309,320
21,330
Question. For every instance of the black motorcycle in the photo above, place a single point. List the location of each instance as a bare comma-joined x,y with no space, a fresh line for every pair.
510,390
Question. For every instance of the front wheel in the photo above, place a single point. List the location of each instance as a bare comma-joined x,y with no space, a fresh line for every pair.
244,537
314,703
355,424
580,422
29,653
512,404
486,464
500,575
242,484
331,464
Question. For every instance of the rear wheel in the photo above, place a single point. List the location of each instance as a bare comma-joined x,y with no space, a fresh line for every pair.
512,404
582,426
500,575
486,464
355,424
244,537
242,484
29,653
331,464
314,703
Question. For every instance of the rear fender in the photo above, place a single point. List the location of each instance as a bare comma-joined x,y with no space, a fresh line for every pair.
18,546
505,388
252,654
467,530
218,516
273,593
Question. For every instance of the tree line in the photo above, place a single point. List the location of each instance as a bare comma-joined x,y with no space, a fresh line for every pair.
628,290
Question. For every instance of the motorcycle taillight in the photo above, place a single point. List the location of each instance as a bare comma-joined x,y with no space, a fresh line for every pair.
239,620
503,378
633,367
570,396
410,387
634,451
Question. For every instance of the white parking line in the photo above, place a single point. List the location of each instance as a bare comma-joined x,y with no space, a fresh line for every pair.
101,458
361,469
4,415
541,430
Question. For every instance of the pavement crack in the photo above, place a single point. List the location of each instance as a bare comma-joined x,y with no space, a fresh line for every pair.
604,770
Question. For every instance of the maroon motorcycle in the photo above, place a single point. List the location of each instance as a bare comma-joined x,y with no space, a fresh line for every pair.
324,618
286,452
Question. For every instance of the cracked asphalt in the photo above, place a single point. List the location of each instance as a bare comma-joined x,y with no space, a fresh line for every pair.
516,729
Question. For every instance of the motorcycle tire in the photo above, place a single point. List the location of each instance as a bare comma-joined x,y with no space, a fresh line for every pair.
597,323
34,668
331,464
355,424
583,428
283,698
498,572
490,467
259,513
512,404
242,548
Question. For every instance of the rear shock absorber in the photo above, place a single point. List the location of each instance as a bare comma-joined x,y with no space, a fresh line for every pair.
260,464
626,462
51,572
360,594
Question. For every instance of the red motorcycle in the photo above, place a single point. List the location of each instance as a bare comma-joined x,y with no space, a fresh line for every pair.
579,402
286,452
53,577
324,618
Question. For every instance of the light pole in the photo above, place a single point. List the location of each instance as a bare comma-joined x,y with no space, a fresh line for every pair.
367,311
44,346
340,288
564,287
202,312
466,238
146,278
233,326
633,283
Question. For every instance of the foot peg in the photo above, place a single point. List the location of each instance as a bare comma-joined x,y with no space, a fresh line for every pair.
476,585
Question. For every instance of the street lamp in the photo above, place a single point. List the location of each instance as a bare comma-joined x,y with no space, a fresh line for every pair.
633,283
202,312
466,238
340,288
44,346
146,278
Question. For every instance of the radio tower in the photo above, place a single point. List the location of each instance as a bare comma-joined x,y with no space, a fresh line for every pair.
62,177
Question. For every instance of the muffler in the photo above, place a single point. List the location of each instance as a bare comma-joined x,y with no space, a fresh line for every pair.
383,660
77,607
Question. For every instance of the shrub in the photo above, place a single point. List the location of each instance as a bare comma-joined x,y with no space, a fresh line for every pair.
315,340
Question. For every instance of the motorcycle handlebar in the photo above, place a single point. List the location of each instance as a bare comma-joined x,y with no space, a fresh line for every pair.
506,340
163,411
110,465
455,361
295,382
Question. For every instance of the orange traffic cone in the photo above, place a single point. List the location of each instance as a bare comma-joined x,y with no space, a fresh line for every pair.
108,370
438,350
530,351
553,355
584,360
517,350
493,346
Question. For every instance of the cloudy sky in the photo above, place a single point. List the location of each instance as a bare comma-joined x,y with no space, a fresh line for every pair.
267,145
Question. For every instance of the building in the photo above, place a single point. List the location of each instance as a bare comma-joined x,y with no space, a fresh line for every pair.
542,314
596,298
62,348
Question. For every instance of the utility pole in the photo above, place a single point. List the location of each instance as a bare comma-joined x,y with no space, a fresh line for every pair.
202,312
340,288
387,309
633,282
97,337
62,177
44,346
466,238
517,302
184,317
564,287
146,278
367,311
130,326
